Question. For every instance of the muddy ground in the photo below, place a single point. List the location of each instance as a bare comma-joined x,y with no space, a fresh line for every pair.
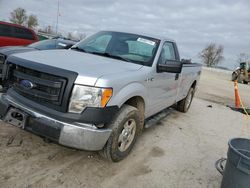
179,152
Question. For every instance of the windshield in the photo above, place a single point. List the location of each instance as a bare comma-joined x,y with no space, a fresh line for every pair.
124,46
243,65
48,44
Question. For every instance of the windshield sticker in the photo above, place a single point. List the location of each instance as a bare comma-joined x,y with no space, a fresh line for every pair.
150,42
61,44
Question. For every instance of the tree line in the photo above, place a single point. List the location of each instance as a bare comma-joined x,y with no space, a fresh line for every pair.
20,16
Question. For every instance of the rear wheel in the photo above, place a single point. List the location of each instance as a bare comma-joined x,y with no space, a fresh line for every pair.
125,129
185,103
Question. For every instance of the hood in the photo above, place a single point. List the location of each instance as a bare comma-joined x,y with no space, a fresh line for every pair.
88,66
15,49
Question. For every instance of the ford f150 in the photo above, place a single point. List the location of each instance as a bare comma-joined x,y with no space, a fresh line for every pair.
97,95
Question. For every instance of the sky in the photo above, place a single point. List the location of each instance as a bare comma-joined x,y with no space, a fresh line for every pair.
193,24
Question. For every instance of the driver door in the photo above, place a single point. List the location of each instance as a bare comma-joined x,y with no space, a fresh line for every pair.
165,85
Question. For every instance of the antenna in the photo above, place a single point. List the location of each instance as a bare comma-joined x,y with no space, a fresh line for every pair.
57,17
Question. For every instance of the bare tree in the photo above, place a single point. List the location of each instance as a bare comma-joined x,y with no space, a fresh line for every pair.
82,36
70,36
212,55
49,30
32,21
46,29
18,16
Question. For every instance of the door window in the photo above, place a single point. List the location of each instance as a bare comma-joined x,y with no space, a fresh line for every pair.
15,32
5,30
23,33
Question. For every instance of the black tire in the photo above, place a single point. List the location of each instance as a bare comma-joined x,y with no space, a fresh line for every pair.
234,76
185,103
240,79
245,82
112,150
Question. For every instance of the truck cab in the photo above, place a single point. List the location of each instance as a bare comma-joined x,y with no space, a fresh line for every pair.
242,73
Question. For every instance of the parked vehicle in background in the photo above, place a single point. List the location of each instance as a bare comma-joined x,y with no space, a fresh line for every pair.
97,95
42,37
16,35
242,73
50,44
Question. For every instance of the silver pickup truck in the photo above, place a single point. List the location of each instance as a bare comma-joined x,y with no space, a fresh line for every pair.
97,95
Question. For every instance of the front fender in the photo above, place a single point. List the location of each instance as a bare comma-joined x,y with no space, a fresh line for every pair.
131,90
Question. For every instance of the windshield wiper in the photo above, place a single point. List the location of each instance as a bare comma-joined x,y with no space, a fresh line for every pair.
78,49
111,56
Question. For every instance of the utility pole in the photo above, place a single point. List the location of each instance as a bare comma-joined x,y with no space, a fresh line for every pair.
57,17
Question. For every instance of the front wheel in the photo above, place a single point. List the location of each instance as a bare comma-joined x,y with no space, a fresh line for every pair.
125,129
185,103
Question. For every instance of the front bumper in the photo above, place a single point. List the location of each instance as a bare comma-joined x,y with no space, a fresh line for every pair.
72,134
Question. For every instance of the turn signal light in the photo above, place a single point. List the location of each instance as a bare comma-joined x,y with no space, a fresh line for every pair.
106,95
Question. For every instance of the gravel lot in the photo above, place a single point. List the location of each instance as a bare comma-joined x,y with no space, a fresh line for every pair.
179,152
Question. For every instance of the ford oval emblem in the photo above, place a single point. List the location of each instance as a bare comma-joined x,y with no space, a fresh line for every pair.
26,84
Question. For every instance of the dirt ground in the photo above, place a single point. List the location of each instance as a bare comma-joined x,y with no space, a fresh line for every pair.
178,152
215,86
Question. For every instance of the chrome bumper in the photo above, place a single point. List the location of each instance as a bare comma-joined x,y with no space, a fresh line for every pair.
75,135
83,137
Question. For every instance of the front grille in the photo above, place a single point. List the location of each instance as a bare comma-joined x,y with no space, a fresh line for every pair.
45,88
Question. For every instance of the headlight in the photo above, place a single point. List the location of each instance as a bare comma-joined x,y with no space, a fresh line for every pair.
84,96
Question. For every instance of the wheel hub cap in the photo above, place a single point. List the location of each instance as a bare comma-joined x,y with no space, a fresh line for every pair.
127,135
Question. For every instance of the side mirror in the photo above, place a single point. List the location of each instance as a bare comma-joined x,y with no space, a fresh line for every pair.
170,66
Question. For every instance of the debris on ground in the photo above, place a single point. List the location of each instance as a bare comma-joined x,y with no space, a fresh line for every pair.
14,141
